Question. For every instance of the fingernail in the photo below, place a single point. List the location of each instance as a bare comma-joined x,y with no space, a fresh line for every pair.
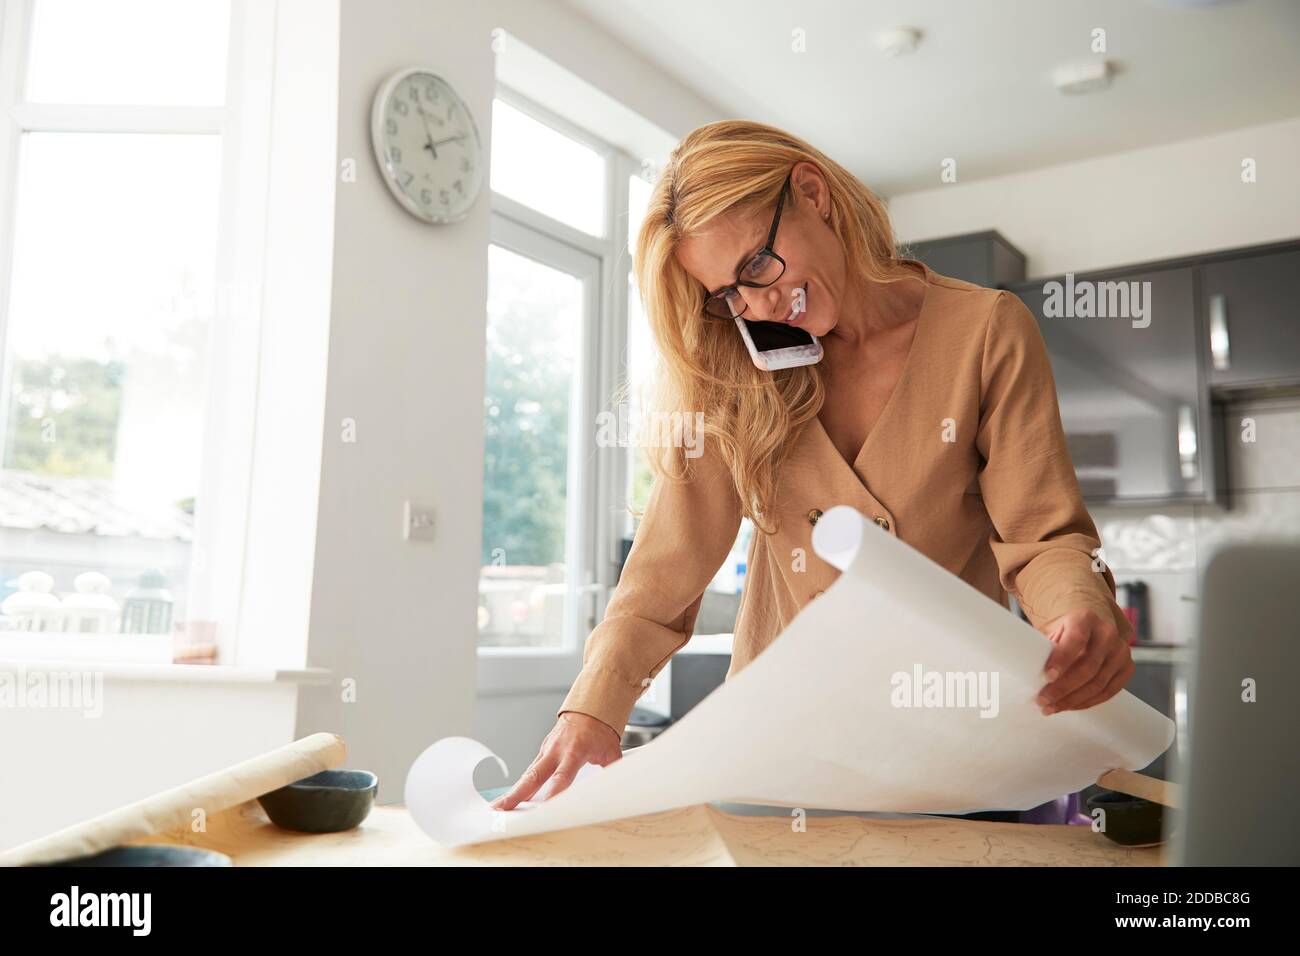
1053,673
1048,711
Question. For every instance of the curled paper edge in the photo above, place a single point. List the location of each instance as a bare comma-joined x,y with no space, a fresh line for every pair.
440,792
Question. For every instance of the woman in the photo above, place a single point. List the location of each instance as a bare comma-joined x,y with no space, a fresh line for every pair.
933,411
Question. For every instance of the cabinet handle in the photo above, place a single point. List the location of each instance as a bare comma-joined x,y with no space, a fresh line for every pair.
1219,352
1187,443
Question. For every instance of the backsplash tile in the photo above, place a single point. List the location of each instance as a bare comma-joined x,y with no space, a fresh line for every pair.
1253,516
1135,541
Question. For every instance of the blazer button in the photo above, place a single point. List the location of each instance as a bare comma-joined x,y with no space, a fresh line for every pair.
882,521
813,516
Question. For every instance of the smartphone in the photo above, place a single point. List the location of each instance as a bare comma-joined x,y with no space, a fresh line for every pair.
774,345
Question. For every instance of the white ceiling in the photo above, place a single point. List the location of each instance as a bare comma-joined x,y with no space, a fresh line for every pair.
978,88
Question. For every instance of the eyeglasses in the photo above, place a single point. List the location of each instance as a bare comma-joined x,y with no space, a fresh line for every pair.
762,269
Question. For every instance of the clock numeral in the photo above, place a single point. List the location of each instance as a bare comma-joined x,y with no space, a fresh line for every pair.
400,107
459,187
390,126
414,94
395,154
426,197
408,179
444,196
464,163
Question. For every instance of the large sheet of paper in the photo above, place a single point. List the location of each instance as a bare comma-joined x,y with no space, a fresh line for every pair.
900,689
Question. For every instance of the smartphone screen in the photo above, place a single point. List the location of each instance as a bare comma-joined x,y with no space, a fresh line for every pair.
769,336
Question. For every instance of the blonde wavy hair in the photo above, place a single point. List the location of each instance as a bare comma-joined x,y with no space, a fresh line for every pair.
751,417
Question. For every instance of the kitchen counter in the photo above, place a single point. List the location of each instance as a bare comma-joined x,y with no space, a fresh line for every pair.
702,835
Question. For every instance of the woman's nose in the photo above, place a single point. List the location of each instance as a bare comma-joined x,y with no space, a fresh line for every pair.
766,304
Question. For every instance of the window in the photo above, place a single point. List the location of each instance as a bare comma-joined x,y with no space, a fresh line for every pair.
544,567
118,119
129,52
546,170
535,335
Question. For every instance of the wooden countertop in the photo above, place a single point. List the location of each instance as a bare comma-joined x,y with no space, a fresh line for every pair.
701,835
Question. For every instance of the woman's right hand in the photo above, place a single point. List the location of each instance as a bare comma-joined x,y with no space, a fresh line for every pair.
575,740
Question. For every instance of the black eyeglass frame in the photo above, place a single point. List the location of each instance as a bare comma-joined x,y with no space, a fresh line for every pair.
767,250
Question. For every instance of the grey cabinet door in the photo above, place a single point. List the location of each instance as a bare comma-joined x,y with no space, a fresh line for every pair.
1123,347
1251,311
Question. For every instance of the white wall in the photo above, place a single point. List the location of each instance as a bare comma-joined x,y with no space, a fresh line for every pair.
1171,200
61,766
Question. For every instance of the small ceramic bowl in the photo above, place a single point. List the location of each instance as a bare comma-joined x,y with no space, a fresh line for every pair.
1129,821
151,855
325,802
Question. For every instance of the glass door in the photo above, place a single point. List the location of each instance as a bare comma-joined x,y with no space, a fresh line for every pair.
538,540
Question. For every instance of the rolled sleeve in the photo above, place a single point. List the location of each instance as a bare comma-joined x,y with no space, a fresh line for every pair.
1044,541
686,532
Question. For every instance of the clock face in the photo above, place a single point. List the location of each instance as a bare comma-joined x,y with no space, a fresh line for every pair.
427,145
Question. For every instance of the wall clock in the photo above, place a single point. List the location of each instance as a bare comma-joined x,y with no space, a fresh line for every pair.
427,145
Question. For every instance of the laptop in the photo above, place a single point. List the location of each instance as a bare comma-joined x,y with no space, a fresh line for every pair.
1242,767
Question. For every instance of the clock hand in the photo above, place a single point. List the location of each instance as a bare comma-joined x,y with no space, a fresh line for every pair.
449,139
428,133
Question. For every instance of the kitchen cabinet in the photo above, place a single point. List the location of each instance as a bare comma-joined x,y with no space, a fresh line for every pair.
1252,319
984,258
1125,354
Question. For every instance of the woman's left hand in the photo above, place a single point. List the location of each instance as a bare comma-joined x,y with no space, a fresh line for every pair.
1089,664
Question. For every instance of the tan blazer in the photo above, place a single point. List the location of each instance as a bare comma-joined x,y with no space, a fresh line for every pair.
967,463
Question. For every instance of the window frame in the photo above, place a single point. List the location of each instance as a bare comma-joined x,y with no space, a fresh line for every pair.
599,506
243,123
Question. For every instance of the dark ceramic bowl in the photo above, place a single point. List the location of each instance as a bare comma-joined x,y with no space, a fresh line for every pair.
1130,821
325,802
149,856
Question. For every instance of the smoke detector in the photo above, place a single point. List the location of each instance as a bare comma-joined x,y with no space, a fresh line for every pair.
1086,76
898,41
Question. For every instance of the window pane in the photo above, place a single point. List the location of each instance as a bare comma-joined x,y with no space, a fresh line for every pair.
105,358
533,337
542,168
142,52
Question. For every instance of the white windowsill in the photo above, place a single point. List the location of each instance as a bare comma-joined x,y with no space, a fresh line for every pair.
187,673
133,657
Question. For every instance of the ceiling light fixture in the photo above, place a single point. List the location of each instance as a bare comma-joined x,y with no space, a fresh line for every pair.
1085,76
898,41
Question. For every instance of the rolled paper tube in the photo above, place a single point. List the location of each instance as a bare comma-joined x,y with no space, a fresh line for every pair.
175,808
1139,785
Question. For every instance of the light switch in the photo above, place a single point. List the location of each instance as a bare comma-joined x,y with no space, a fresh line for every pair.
417,522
